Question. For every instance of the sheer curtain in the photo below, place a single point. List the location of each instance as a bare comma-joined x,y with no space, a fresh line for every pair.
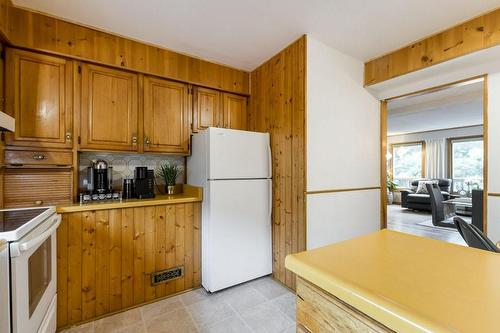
435,158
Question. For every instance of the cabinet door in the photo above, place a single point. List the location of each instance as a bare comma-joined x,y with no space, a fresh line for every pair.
235,111
207,111
109,109
166,116
39,97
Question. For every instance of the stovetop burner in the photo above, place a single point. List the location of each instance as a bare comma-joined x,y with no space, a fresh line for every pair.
13,219
17,222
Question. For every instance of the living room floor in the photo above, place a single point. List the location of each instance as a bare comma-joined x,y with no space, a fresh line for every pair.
407,221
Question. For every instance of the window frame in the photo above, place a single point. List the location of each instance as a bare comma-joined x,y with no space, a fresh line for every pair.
449,147
409,143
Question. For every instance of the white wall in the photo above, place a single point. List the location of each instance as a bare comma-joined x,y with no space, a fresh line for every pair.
444,134
494,155
342,147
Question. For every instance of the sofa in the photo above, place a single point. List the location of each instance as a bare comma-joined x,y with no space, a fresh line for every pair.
412,200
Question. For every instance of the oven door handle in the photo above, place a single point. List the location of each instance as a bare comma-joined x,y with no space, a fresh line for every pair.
18,247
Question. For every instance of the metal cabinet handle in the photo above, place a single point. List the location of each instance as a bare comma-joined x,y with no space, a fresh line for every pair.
39,157
146,141
134,140
38,202
68,136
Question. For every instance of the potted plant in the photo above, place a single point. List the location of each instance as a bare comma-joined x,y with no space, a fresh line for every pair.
169,172
391,187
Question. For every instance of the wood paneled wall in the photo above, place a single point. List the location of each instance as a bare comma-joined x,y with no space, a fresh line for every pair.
474,35
278,106
106,257
40,32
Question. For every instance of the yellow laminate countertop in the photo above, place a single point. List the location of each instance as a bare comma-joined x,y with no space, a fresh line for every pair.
409,283
190,194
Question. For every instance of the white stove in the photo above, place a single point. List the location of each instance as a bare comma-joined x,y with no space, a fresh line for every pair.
31,235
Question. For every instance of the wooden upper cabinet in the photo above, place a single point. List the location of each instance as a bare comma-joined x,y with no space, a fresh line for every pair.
207,109
109,109
39,97
235,111
166,116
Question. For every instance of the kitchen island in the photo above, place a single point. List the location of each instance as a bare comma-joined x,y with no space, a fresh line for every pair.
389,281
108,253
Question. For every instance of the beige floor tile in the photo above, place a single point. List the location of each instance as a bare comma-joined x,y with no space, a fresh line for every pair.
286,303
242,297
118,322
194,296
269,288
266,318
230,325
177,321
85,328
155,309
210,311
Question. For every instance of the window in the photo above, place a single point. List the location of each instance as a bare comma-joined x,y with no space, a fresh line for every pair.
407,162
466,163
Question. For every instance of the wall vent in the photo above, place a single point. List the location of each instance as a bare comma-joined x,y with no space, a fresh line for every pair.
167,275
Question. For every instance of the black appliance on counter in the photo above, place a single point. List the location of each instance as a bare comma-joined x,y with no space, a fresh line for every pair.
144,183
99,182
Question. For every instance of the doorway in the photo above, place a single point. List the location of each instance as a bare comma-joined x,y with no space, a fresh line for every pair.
438,135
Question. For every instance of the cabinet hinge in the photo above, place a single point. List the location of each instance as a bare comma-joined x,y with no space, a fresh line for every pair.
79,69
79,140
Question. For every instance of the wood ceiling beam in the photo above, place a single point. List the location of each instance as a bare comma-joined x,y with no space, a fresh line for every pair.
473,35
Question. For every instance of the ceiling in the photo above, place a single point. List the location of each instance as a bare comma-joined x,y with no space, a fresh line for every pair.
244,34
454,107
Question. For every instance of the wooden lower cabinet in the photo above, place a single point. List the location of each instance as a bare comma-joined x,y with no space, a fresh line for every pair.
105,258
319,311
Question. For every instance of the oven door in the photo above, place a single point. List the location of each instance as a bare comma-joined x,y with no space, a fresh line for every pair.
33,267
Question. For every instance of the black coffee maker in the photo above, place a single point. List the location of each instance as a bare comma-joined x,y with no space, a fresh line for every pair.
144,183
100,180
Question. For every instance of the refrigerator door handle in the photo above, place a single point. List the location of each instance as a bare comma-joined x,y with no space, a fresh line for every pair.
270,204
269,160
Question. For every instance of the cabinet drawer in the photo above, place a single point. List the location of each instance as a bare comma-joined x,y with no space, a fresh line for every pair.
38,157
37,187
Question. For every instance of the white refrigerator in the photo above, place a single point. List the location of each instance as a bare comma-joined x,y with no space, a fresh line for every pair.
234,169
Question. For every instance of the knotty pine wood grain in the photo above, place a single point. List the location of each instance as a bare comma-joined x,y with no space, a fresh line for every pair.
473,35
106,257
41,32
278,106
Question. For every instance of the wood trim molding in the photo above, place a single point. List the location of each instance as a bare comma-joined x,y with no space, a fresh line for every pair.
383,164
473,35
337,190
43,33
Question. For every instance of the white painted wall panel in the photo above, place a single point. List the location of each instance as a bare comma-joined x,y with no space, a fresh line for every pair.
334,217
342,147
342,122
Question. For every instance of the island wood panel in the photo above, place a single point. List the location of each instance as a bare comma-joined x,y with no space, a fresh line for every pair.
319,311
278,106
473,35
106,257
45,33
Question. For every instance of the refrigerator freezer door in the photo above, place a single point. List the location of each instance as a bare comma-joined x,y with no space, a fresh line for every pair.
237,154
237,242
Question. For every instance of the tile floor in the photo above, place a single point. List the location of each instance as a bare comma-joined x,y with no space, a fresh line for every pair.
261,305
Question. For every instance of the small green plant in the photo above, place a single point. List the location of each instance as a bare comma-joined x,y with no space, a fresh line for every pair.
391,185
169,172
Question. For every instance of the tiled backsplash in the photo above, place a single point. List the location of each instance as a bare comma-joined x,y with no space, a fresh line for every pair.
124,165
